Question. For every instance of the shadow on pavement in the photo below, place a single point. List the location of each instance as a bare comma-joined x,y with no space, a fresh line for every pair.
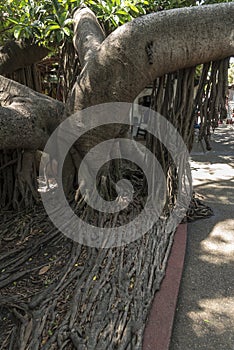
205,310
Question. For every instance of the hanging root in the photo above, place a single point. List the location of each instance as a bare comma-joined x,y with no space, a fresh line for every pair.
210,99
57,294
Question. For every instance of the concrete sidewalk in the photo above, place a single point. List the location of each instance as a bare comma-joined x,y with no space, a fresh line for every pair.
205,311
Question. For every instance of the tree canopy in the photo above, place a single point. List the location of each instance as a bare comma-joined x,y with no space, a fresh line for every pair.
50,22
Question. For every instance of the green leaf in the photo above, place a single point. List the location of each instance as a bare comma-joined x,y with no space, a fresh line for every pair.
91,2
28,32
113,22
56,5
17,32
62,17
67,31
52,27
12,20
122,12
134,8
59,36
68,21
37,32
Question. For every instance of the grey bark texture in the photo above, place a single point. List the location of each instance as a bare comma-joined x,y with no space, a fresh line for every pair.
119,67
87,24
27,118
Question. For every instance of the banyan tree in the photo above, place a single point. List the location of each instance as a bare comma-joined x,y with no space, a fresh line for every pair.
58,293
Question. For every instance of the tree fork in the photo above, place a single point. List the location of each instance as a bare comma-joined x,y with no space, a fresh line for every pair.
121,59
119,68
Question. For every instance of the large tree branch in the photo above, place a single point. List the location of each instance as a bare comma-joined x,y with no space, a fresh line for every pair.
27,118
148,47
15,55
119,67
136,53
88,33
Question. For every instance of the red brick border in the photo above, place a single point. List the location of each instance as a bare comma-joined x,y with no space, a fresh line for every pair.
160,321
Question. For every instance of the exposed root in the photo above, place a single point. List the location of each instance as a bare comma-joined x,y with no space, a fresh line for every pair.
59,295
198,210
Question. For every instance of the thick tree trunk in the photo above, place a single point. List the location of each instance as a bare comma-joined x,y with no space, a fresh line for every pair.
119,67
95,298
27,118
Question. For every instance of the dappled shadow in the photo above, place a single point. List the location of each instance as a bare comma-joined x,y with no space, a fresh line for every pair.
217,190
205,314
205,310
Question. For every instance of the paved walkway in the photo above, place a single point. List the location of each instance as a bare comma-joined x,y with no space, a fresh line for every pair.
205,311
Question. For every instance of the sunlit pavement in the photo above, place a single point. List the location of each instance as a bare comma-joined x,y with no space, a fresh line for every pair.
205,310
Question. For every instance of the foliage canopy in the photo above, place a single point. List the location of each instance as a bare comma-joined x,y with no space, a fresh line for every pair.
50,22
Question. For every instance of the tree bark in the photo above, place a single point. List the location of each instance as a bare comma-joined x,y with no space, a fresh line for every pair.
87,23
136,53
119,67
27,118
15,55
115,69
148,47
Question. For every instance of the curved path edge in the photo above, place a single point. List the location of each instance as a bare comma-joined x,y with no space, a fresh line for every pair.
159,325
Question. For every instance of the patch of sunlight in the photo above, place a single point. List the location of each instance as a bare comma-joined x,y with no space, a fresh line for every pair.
214,172
215,315
218,247
222,171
